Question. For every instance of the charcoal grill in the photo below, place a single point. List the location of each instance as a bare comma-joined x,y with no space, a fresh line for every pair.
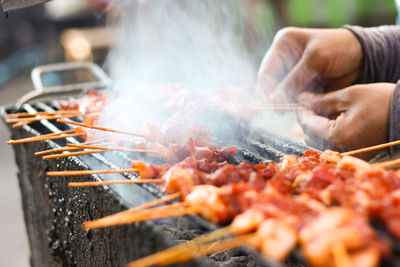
54,213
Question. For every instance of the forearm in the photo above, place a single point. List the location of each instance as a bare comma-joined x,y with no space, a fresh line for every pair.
381,49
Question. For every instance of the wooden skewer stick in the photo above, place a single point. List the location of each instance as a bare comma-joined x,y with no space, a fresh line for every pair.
100,128
209,237
59,133
141,181
54,134
277,105
61,149
261,105
66,148
112,148
24,121
38,118
172,252
387,163
173,210
87,172
190,252
64,155
19,124
218,246
44,135
41,138
280,107
366,149
27,114
123,216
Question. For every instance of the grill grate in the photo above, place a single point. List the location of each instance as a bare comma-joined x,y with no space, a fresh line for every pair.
53,195
57,212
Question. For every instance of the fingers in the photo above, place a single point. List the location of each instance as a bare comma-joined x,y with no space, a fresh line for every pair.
287,69
275,66
317,129
281,57
314,125
327,104
297,79
265,87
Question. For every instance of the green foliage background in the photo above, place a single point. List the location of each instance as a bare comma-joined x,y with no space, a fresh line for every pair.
335,13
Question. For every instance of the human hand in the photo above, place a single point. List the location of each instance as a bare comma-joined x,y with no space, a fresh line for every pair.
317,60
347,119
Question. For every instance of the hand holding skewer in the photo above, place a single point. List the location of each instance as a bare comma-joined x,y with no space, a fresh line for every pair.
327,62
347,119
308,59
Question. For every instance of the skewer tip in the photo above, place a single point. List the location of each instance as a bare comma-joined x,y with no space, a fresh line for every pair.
100,183
88,225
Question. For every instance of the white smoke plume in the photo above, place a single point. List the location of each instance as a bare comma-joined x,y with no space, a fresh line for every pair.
188,49
194,42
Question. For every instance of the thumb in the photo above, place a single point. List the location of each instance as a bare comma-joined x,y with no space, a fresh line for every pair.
326,104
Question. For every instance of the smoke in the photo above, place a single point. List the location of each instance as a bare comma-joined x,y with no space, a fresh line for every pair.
193,42
176,61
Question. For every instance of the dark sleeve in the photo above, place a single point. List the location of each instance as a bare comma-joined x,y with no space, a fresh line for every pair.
381,48
394,120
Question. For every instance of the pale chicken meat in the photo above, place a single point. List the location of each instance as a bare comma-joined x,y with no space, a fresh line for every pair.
339,226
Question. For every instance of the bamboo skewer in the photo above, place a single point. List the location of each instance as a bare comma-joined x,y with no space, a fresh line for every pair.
27,120
59,133
47,135
288,106
121,217
387,163
112,148
141,181
22,123
27,114
100,128
160,213
61,149
19,124
190,252
278,105
64,155
366,149
173,210
42,137
66,148
218,246
38,118
209,237
54,134
171,253
88,172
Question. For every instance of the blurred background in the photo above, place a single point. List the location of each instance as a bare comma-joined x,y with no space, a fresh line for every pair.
85,30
